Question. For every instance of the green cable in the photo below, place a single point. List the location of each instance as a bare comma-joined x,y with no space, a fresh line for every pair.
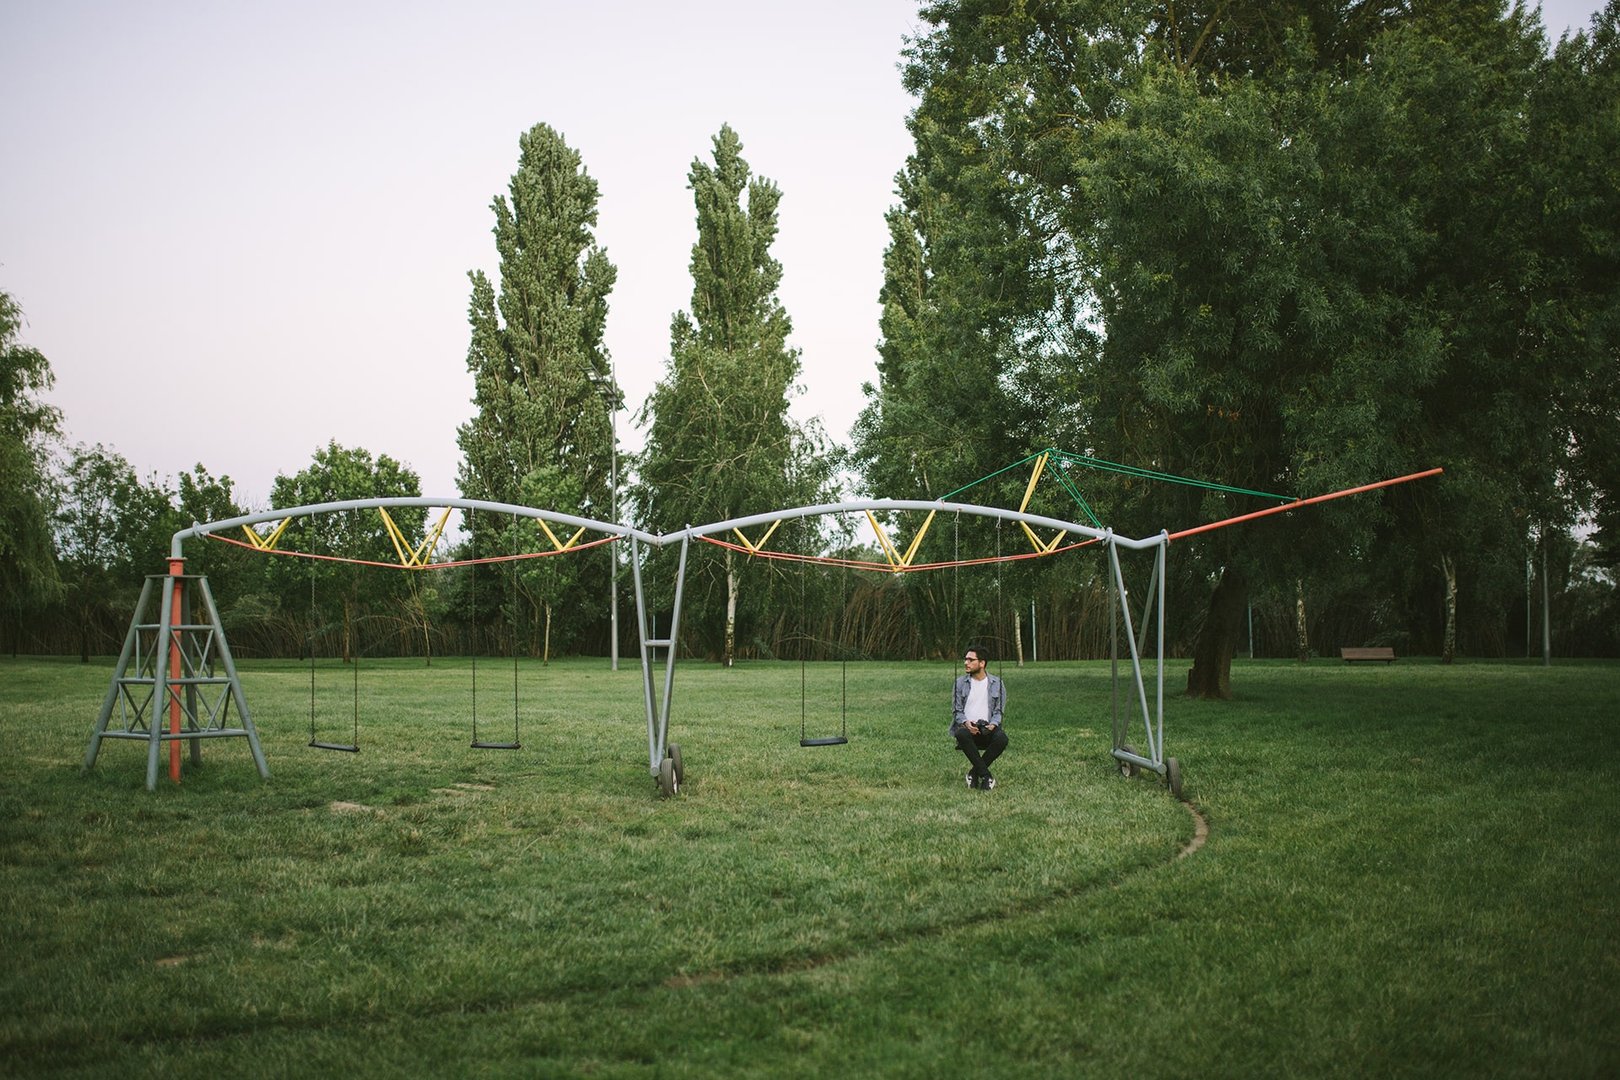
1074,493
946,497
1109,466
1149,474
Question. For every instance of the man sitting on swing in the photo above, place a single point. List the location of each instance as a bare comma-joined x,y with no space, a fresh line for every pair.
976,708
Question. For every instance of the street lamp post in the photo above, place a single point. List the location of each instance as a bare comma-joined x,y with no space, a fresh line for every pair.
614,401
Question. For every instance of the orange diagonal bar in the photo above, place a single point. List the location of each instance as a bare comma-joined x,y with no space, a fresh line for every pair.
1196,529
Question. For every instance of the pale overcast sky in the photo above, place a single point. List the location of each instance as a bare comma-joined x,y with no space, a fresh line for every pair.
239,230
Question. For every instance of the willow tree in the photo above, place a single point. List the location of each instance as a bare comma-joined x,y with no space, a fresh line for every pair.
542,381
720,442
28,577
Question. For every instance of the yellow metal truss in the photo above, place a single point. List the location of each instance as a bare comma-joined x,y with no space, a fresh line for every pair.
896,560
892,553
755,547
413,557
266,543
557,544
1041,546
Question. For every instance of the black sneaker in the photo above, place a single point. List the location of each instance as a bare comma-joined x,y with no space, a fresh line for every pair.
972,781
987,782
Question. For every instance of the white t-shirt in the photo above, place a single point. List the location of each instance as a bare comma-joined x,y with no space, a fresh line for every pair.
977,708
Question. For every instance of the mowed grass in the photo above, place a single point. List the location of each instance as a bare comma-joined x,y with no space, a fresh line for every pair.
1410,870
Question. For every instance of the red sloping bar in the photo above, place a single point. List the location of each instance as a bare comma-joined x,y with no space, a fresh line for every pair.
788,556
1196,529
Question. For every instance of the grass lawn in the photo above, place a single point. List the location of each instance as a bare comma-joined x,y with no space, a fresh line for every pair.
1410,870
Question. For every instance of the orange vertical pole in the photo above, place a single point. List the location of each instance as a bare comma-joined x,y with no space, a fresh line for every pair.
177,568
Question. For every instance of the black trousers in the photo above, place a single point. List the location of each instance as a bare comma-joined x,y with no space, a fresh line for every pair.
981,749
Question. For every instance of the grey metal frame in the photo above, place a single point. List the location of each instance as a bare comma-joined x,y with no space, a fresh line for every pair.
177,542
657,713
1136,639
204,715
658,707
1152,717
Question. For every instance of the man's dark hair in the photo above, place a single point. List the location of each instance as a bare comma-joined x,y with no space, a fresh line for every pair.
980,651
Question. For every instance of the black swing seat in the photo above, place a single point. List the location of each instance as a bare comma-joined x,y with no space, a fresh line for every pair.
833,740
496,745
345,747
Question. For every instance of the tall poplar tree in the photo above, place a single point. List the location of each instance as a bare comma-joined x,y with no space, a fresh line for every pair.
720,443
542,381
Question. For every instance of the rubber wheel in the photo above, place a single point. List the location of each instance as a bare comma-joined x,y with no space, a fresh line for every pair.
673,752
1127,768
1172,773
667,781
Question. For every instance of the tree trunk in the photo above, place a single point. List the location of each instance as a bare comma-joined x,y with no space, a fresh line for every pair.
1018,636
1301,627
545,656
1211,674
1448,649
731,609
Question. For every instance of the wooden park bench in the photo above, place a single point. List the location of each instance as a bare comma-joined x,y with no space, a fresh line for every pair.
1374,652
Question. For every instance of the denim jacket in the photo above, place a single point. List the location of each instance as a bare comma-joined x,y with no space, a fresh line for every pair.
996,693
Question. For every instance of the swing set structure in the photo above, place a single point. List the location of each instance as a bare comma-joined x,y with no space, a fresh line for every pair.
176,680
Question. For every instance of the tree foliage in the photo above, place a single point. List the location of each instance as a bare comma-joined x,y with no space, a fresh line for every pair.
543,383
1575,309
1290,246
546,582
336,593
537,345
720,442
28,578
112,530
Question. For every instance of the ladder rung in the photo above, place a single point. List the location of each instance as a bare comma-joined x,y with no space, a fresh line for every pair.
193,680
659,643
165,735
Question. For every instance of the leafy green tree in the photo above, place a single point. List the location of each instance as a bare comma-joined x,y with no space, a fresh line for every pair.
945,410
112,529
546,582
200,498
336,590
28,578
237,578
720,442
1306,235
1574,321
543,384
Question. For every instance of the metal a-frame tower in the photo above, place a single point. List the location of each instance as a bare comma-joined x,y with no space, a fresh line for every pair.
175,679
